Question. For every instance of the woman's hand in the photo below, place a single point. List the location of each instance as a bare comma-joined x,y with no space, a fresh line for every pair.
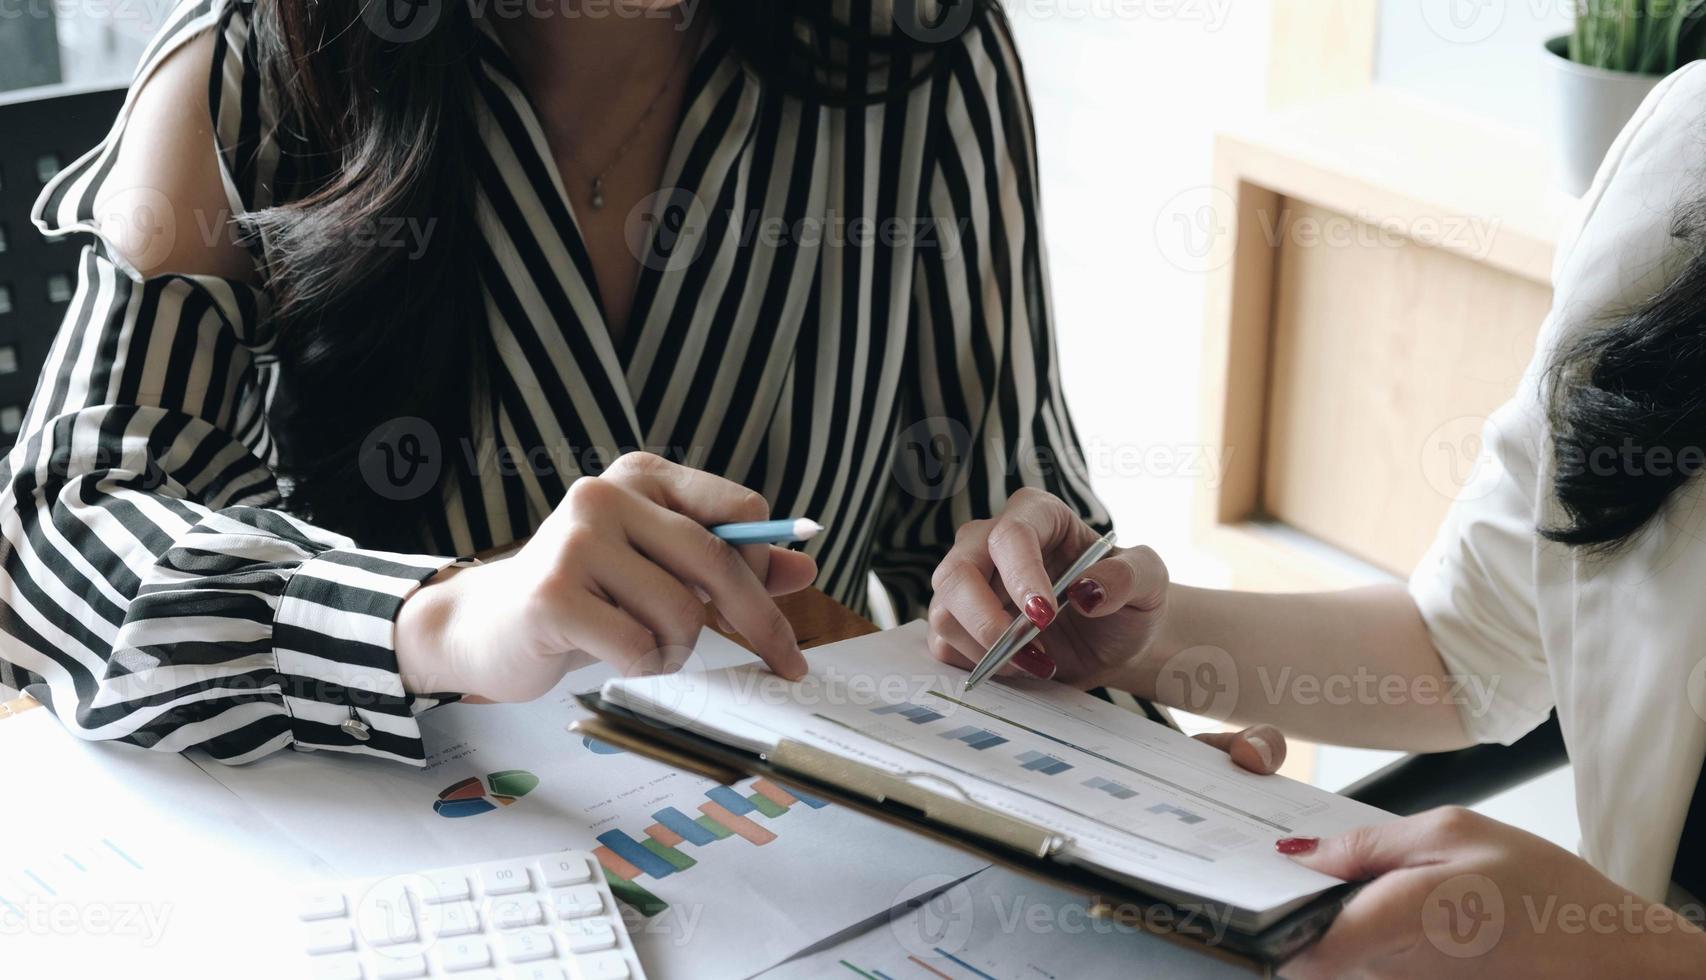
1006,564
620,572
1113,611
1458,894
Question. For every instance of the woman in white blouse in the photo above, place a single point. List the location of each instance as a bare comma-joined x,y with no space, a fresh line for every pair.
1571,575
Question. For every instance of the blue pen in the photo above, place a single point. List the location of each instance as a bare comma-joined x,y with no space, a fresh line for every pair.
784,531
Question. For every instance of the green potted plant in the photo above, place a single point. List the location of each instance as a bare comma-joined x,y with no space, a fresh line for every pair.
1618,51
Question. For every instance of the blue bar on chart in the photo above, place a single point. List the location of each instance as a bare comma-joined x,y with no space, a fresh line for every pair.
811,801
1041,762
630,850
1118,791
911,712
975,737
725,795
1185,816
684,825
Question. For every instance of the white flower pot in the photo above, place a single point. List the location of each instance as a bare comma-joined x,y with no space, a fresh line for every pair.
1590,106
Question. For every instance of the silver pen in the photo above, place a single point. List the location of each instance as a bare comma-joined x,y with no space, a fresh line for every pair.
1023,630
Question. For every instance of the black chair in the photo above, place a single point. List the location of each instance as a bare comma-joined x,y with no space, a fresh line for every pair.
44,129
1462,778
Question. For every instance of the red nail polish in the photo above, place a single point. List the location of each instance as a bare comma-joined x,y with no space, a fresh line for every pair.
1039,612
1032,660
1087,594
1296,845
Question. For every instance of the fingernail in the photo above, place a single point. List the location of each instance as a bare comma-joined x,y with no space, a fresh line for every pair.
1032,660
1039,612
1296,845
1263,749
1087,594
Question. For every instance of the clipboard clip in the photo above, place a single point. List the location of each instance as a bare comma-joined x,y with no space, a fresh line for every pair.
903,790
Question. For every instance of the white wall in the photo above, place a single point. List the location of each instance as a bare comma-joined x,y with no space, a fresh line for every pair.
1480,55
1128,94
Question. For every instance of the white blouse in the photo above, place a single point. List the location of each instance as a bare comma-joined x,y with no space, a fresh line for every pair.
1617,645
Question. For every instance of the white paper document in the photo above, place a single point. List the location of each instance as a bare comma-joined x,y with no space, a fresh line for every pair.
124,862
998,925
1133,799
736,878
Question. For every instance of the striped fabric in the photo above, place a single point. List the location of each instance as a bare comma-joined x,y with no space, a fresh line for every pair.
860,331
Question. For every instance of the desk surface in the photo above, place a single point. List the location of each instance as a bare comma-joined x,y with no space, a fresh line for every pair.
817,620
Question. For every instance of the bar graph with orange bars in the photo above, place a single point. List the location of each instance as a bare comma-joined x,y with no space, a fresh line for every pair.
725,814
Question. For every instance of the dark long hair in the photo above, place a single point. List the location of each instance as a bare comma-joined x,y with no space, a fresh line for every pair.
384,131
1627,406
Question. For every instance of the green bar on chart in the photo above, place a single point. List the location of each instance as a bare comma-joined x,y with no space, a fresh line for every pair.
722,832
677,860
766,806
635,897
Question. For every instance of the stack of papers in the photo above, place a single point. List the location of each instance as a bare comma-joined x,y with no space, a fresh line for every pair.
1132,800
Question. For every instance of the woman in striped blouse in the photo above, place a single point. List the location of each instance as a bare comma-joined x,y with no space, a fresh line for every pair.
374,286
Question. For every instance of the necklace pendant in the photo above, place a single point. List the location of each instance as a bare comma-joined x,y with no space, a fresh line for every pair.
598,193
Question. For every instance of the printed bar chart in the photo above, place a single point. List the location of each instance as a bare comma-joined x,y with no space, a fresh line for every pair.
911,712
1118,791
977,738
1044,763
663,835
676,859
739,825
684,826
614,864
735,803
634,896
714,828
660,853
631,851
1184,815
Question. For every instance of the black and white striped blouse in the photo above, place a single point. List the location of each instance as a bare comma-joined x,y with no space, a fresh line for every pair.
862,334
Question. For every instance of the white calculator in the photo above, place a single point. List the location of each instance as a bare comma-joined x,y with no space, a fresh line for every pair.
548,917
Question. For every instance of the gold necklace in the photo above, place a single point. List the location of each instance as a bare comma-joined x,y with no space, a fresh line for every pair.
595,191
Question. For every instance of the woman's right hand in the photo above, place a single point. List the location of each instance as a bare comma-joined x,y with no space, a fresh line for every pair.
1114,611
619,572
1009,563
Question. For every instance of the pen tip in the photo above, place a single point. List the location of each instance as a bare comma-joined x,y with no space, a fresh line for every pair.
805,529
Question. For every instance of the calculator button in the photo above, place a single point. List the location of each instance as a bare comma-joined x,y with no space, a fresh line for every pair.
602,966
538,971
515,912
322,905
587,935
333,937
524,947
338,968
579,901
464,954
561,872
454,919
398,967
387,916
505,879
446,886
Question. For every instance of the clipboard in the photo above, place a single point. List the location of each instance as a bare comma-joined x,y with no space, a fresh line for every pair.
996,837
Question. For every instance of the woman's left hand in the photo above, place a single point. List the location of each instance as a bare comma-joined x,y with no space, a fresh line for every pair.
1458,894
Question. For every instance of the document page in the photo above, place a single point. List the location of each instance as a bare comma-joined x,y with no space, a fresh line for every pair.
715,881
125,862
1134,799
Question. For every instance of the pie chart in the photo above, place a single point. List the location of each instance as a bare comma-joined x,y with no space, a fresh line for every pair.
473,796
